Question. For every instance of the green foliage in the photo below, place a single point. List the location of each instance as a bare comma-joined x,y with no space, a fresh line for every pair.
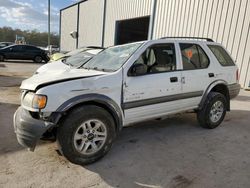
34,37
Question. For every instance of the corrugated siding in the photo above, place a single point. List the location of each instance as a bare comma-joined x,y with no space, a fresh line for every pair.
90,23
123,9
225,21
68,24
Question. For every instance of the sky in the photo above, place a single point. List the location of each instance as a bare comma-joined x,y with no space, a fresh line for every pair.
31,14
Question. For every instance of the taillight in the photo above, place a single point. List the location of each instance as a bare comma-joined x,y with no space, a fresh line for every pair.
237,75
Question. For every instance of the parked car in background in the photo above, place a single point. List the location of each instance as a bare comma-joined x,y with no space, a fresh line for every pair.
74,61
57,56
52,49
5,44
23,52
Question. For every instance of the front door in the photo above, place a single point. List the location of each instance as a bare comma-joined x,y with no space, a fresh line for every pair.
156,92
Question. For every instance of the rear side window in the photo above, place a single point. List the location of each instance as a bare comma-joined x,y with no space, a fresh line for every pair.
193,57
221,55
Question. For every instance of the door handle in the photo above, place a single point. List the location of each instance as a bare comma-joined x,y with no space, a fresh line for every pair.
211,75
173,79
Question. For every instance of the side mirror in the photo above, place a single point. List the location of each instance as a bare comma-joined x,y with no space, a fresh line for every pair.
11,49
138,70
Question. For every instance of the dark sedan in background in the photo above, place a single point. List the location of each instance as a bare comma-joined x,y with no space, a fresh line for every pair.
23,52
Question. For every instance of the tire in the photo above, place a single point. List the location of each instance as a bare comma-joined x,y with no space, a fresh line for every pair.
72,127
46,60
38,59
1,58
213,111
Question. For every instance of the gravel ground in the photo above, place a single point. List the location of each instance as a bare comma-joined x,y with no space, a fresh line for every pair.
174,152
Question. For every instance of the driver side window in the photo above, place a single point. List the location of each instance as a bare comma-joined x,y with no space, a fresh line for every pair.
158,58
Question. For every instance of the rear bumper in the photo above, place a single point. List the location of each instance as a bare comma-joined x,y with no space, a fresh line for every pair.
29,130
234,90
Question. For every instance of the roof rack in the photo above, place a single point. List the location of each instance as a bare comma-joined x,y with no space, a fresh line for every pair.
207,39
95,47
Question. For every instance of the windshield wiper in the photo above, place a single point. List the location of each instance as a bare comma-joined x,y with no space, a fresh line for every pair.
83,63
103,70
64,60
98,69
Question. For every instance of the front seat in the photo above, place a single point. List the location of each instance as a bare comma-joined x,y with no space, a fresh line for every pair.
163,61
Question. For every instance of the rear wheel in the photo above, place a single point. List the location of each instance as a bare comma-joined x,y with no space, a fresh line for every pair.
213,111
38,59
86,134
1,58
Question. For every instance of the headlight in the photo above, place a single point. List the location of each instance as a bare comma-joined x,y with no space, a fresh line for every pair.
32,100
39,101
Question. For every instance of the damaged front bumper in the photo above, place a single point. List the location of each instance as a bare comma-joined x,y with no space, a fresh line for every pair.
28,129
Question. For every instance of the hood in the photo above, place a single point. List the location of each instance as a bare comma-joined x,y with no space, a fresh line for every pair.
57,56
48,78
54,67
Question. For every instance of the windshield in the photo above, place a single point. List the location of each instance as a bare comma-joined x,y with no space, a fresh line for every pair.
79,59
112,58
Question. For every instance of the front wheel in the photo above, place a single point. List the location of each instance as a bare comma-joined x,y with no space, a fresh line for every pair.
86,134
38,59
213,111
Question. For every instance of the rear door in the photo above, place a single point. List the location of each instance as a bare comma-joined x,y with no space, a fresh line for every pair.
227,70
197,72
155,93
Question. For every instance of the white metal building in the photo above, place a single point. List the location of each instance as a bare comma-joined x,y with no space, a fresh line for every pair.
110,22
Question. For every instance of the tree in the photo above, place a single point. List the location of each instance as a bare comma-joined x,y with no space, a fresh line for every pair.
33,37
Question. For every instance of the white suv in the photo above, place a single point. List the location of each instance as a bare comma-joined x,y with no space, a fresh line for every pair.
86,107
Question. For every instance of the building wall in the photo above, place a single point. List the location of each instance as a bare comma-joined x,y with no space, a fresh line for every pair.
90,23
68,24
123,9
225,21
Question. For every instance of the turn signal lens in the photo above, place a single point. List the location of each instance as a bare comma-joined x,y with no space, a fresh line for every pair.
39,101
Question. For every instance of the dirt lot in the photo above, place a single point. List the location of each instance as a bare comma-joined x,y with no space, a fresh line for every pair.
174,152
